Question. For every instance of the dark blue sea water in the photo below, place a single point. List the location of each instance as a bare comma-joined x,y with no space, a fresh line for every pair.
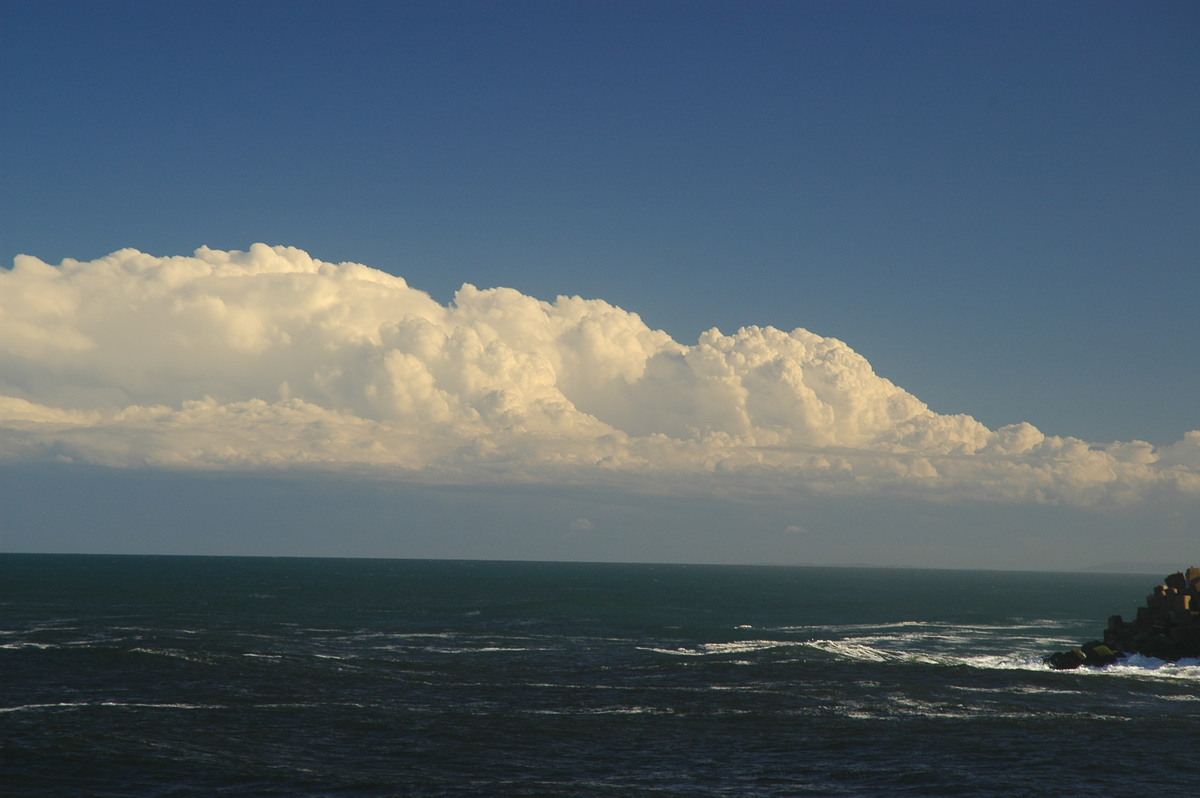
209,676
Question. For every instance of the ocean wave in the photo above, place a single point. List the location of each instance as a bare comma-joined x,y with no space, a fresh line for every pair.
932,645
176,654
36,707
856,651
1003,662
1020,689
617,710
1017,625
487,649
76,705
1139,666
898,707
849,628
868,649
719,649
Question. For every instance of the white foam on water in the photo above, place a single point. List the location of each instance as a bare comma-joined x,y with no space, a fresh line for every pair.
1029,689
1134,666
405,635
719,649
923,647
73,705
35,707
851,650
630,710
1138,666
622,710
1003,662
861,650
853,627
1020,689
900,708
139,705
492,649
174,653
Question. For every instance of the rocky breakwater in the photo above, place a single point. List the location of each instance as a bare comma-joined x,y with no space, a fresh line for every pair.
1167,628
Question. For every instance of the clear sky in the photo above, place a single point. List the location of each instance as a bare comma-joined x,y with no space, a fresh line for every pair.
994,204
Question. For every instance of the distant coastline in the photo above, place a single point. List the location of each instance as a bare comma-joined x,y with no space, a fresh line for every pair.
1130,568
1133,568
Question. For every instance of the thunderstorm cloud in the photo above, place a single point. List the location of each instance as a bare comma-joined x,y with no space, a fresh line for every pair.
270,359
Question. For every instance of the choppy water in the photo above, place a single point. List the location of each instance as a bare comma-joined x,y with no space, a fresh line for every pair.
182,676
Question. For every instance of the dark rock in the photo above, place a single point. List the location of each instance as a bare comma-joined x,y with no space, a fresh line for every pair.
1167,628
1097,654
1066,660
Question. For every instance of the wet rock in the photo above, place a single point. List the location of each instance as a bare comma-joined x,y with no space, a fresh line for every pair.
1094,653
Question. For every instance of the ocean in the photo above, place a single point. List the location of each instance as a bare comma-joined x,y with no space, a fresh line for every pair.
175,676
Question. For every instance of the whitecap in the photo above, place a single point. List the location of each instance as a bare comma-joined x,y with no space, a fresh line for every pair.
852,651
717,649
172,652
1139,666
168,705
490,649
620,710
32,707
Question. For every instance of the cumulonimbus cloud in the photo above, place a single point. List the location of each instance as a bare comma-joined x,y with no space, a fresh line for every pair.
272,359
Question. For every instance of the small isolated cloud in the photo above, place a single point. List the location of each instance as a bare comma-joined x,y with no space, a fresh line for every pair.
270,359
582,525
794,529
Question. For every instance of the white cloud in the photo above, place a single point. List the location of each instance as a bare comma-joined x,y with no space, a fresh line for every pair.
271,359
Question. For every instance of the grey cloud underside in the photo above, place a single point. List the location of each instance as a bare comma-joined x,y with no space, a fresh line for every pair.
271,359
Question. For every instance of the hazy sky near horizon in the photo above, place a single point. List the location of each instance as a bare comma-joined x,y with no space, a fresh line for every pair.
611,271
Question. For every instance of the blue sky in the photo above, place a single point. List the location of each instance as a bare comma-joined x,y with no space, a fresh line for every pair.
994,203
